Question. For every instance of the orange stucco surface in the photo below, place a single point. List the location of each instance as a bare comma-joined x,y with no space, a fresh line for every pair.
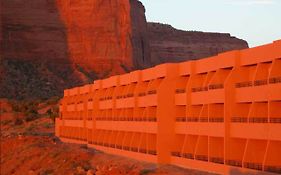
220,114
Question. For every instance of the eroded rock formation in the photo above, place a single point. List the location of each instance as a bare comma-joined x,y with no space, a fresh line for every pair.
105,35
49,45
168,44
68,43
33,30
140,40
34,51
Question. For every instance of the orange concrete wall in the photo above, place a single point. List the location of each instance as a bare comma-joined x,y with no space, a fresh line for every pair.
221,114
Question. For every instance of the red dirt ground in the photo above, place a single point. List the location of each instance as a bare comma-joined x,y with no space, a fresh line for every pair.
32,149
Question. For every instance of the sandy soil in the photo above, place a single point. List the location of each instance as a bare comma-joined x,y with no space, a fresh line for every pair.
31,148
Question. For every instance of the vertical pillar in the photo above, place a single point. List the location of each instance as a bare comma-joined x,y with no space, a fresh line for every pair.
166,114
97,88
229,104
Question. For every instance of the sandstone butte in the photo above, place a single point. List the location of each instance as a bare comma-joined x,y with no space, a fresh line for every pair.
105,35
168,44
73,42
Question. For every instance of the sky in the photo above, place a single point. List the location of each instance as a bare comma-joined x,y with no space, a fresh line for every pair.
256,21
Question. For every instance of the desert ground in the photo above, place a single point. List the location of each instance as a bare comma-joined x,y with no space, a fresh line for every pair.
29,146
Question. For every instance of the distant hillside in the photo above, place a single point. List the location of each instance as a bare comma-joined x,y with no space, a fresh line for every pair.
168,44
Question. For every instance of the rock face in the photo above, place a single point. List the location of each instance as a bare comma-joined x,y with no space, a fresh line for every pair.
32,30
49,45
140,40
105,35
33,50
168,44
98,35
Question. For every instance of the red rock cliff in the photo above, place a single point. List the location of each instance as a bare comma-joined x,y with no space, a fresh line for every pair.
32,30
168,44
49,45
140,40
33,50
105,35
96,34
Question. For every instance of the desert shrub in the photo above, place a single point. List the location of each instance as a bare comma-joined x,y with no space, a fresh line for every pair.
21,106
47,172
86,165
146,171
30,111
18,121
31,115
16,107
2,111
31,128
47,125
53,100
26,80
53,113
6,122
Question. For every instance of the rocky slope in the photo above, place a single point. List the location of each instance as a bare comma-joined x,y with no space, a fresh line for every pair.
49,45
30,148
168,44
34,59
